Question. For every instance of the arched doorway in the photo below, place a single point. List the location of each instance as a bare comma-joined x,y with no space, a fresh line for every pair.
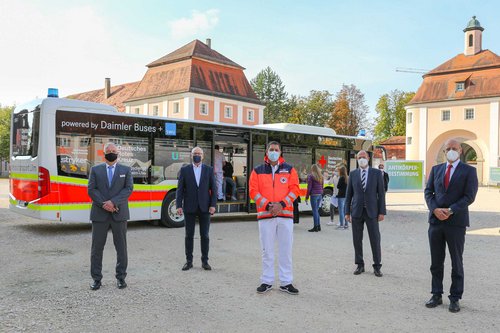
468,156
471,154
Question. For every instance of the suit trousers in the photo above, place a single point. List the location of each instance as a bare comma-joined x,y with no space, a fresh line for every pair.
190,221
270,230
99,236
373,234
441,235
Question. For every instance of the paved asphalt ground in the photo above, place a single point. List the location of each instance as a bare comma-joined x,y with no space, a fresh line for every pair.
45,277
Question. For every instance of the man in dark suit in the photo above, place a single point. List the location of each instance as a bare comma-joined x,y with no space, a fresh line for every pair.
110,185
196,197
451,188
385,175
365,201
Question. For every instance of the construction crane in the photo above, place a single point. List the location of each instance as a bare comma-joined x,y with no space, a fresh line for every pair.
411,70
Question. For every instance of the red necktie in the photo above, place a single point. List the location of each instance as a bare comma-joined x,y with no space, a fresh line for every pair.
447,176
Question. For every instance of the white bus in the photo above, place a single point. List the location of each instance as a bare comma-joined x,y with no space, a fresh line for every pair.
55,142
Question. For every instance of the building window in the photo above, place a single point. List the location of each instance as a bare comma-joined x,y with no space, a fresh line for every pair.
177,108
460,86
228,112
445,115
250,115
471,40
155,110
469,114
204,109
137,110
410,117
408,140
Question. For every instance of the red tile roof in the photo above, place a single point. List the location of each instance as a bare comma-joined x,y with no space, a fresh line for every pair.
394,140
480,72
119,93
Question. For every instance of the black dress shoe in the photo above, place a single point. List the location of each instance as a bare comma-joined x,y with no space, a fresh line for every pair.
377,272
187,266
435,301
206,266
95,285
359,270
121,284
454,306
314,229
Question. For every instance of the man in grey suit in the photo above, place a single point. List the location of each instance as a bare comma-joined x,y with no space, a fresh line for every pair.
110,185
365,201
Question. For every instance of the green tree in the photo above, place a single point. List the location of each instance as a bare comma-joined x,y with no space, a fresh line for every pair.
391,114
5,113
349,111
271,91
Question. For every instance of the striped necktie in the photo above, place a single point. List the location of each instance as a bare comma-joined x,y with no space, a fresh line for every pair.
363,179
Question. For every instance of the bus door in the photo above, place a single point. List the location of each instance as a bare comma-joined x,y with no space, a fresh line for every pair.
258,142
234,145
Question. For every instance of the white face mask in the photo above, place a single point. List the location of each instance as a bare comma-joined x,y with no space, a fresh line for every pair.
452,155
363,162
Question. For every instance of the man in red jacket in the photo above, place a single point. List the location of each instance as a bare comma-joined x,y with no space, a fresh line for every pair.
274,186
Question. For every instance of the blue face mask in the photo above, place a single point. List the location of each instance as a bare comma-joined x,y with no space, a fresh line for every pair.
273,155
196,159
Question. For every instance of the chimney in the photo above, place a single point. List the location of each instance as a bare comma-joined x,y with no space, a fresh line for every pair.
107,87
209,43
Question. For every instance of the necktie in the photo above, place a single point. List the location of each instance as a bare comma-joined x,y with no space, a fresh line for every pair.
110,175
363,179
447,176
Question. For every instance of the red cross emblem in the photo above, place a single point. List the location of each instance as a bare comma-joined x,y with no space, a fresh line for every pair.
322,161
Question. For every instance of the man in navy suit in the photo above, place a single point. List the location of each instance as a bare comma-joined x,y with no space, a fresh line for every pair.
196,197
365,201
451,188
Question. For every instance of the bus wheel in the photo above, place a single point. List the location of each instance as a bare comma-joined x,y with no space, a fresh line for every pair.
169,216
324,207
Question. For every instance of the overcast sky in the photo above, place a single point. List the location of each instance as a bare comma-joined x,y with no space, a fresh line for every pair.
312,45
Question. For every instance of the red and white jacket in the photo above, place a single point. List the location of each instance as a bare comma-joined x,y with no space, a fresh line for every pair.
281,188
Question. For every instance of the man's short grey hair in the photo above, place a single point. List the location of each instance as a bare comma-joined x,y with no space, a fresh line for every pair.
273,143
109,144
195,148
362,151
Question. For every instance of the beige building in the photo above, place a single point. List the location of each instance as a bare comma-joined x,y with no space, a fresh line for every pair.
459,99
193,82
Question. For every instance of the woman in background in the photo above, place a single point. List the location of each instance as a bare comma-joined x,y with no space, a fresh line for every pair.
342,187
315,191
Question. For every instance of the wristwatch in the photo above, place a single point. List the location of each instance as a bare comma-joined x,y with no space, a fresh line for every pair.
450,211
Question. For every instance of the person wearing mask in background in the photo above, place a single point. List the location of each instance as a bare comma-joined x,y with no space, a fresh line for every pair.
342,187
315,191
334,203
365,201
219,173
110,185
451,188
196,198
228,179
385,175
274,186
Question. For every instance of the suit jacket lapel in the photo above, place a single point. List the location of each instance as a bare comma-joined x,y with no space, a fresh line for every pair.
115,174
457,173
191,168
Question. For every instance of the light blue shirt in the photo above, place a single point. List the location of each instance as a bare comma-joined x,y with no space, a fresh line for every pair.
112,168
197,173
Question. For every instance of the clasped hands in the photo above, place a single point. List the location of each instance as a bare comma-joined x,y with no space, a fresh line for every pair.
275,208
442,213
109,206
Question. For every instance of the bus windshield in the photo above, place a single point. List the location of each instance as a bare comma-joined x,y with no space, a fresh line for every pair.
25,132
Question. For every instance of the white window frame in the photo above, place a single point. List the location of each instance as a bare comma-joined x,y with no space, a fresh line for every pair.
205,104
156,110
408,140
442,115
410,117
176,108
460,86
137,110
252,113
473,113
228,108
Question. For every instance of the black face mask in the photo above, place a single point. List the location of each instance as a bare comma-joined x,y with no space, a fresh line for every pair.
196,159
111,157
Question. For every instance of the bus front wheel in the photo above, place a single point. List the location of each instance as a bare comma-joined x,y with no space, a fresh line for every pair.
169,216
324,207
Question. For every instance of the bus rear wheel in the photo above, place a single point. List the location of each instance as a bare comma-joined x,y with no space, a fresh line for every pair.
169,216
324,207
